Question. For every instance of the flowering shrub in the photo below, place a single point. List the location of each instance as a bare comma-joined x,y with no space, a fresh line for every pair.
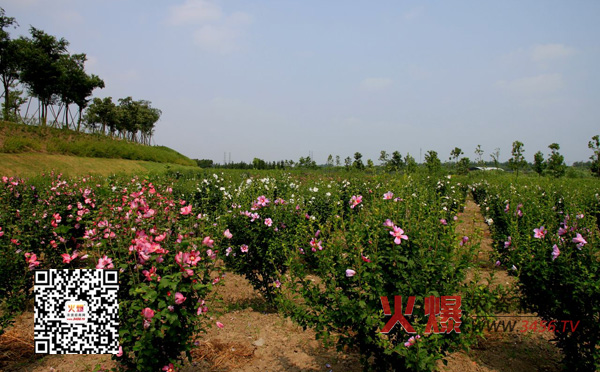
547,236
260,240
387,248
164,254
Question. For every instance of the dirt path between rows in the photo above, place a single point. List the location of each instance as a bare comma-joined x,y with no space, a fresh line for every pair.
253,340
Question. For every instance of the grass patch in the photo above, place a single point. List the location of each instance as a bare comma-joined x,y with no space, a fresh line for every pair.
21,138
33,164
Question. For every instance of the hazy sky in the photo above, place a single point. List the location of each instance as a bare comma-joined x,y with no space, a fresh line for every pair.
276,79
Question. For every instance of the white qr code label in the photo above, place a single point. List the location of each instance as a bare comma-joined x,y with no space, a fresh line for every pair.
76,312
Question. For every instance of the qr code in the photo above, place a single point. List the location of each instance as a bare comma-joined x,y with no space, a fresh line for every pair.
76,312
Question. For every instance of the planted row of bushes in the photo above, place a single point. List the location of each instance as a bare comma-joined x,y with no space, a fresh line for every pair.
546,234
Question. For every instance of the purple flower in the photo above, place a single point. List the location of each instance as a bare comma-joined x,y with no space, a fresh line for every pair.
555,252
579,240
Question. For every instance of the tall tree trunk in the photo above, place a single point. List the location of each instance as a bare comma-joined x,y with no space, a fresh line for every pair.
6,84
66,115
79,120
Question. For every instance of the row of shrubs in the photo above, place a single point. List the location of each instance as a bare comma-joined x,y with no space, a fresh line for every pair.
546,234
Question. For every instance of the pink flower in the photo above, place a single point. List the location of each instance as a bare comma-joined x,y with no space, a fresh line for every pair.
148,313
220,325
193,258
208,242
562,231
277,283
314,245
355,200
262,200
388,223
540,233
179,298
579,240
388,195
186,210
268,222
411,341
497,263
228,251
149,213
508,243
555,252
365,259
227,234
120,353
67,259
105,263
1,232
169,368
244,248
350,273
464,240
507,208
443,222
398,233
31,259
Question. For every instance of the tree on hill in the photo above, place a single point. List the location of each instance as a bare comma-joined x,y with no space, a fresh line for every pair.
41,71
9,60
75,86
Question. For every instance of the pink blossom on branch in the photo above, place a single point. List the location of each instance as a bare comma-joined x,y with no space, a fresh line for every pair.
105,263
398,234
540,233
555,252
179,298
186,210
355,200
579,240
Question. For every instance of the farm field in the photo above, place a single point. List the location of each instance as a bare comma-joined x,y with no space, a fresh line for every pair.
273,264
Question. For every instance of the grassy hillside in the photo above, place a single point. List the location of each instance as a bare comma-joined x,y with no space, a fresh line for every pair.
33,164
20,138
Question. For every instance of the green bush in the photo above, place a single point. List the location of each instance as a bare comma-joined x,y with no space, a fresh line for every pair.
20,144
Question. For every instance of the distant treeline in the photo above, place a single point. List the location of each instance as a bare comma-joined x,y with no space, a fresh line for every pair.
554,165
42,66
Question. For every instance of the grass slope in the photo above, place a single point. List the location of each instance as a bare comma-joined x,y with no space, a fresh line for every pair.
20,138
34,164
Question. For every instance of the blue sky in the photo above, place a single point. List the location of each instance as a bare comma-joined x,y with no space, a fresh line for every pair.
276,79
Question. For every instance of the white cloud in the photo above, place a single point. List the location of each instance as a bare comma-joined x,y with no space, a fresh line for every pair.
550,52
215,31
194,12
533,86
373,84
